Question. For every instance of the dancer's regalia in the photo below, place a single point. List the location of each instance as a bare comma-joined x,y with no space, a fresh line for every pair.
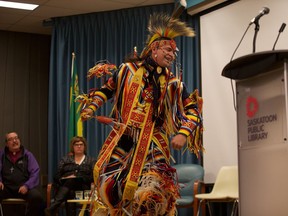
133,175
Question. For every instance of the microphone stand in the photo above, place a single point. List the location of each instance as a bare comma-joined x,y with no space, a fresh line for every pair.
234,100
257,27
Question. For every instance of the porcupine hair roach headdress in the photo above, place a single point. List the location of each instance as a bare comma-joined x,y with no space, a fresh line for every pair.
162,27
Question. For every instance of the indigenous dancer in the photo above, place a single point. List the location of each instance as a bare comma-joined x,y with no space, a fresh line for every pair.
152,111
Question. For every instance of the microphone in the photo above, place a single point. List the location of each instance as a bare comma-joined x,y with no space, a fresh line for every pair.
264,11
280,31
282,27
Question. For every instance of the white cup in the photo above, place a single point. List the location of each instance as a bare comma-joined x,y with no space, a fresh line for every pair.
79,195
87,194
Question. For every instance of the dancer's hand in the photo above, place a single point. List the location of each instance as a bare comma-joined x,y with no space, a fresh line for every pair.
178,141
86,114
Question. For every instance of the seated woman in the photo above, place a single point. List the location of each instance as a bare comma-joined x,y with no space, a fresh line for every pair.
75,172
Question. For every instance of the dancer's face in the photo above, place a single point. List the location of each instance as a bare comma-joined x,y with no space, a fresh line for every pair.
163,55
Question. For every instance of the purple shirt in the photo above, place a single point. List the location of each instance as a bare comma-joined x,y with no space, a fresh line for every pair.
32,169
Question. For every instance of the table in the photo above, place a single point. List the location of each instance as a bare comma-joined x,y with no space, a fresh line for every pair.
82,202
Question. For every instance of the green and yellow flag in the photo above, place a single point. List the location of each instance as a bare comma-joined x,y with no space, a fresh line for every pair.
75,123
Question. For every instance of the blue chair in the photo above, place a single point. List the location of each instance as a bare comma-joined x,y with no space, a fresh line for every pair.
190,178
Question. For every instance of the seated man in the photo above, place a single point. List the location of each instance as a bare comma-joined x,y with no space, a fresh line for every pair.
19,174
74,172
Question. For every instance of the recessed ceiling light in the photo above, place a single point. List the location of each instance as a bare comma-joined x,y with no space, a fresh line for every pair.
18,5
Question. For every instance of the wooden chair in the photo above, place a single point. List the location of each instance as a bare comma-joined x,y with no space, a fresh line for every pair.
11,201
49,195
225,189
190,178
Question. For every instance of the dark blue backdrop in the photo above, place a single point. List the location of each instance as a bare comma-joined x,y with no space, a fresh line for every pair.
98,36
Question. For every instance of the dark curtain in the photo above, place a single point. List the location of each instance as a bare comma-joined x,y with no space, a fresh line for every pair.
24,63
103,36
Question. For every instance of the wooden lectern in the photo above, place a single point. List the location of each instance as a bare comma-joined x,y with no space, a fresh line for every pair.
262,105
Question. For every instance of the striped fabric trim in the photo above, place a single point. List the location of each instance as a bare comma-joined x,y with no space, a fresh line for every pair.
98,99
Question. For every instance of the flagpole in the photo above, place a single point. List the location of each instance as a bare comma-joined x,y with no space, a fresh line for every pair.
75,127
72,66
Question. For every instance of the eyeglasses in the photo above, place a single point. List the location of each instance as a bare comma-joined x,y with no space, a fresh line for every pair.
12,139
167,50
78,145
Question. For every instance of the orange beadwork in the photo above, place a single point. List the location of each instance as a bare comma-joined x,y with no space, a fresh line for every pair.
115,125
105,120
101,69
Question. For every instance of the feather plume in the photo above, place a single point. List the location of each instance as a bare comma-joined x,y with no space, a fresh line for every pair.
162,25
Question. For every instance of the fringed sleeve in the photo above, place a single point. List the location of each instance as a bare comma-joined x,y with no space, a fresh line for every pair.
97,98
112,88
191,123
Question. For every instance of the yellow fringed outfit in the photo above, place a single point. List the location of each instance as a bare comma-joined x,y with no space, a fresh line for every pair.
133,175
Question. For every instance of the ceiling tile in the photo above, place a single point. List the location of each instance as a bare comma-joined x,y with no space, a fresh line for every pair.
87,5
10,18
31,21
49,11
39,2
14,11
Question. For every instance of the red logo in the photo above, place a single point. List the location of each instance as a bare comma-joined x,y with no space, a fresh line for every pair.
251,106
